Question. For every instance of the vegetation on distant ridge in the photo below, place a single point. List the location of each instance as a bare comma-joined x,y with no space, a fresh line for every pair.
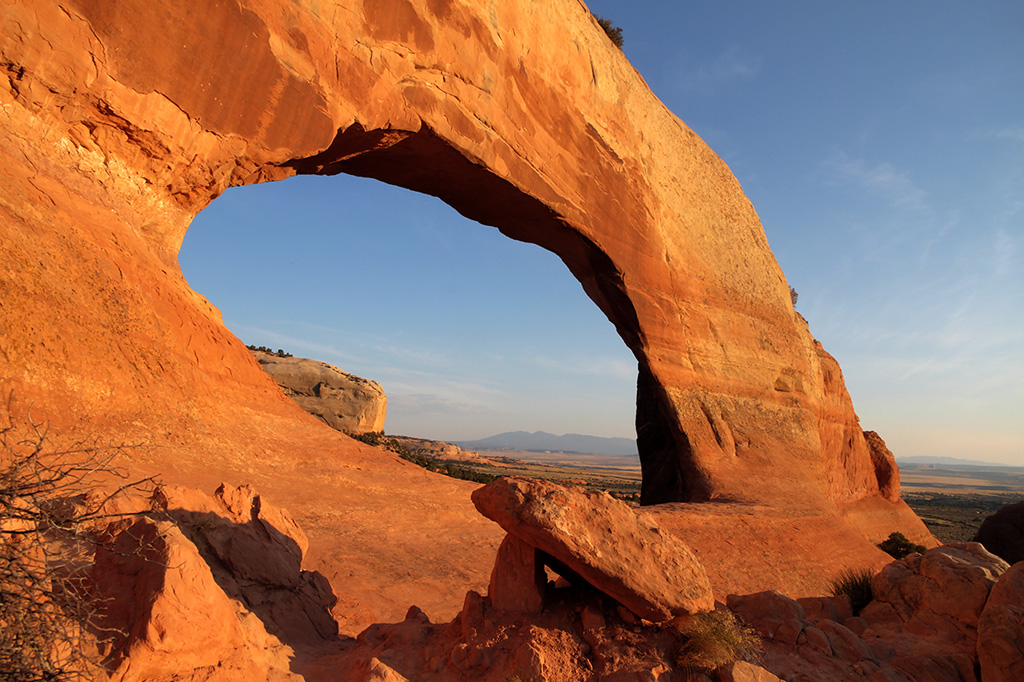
898,546
856,584
379,440
263,349
710,640
613,31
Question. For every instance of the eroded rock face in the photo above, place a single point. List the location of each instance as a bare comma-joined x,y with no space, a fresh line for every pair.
953,581
1002,533
585,635
598,538
1001,629
121,119
344,401
170,618
886,472
181,608
209,588
489,109
255,551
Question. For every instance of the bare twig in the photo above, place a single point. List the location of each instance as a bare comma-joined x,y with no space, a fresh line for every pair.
54,502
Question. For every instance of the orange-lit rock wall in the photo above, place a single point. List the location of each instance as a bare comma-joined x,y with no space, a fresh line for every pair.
121,119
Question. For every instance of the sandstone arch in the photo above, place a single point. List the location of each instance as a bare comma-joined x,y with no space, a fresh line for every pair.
123,118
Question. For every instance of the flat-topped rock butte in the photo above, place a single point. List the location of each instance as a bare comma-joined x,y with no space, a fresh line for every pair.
122,119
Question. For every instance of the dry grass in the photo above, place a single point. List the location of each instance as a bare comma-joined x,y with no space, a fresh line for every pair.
855,583
708,641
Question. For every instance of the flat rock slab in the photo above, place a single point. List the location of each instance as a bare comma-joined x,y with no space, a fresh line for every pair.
621,553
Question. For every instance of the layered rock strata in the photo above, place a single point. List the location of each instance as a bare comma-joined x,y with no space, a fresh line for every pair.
122,119
343,401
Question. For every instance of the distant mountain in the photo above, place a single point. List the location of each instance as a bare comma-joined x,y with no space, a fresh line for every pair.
541,441
924,460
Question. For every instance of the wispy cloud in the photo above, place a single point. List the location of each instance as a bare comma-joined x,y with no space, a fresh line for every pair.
413,404
893,184
1012,133
731,66
590,366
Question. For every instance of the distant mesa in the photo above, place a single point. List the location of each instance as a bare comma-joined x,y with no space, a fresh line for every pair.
342,400
929,460
541,441
437,449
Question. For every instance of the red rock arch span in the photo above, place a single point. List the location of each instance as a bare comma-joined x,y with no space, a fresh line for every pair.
123,118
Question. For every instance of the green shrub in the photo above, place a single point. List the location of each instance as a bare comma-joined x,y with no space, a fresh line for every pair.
856,584
898,546
710,640
611,30
263,349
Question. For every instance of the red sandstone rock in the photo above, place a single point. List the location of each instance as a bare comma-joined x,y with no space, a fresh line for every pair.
886,472
344,401
169,618
586,639
953,580
604,541
518,579
255,550
826,608
845,644
1002,533
798,553
765,611
1001,629
123,120
742,671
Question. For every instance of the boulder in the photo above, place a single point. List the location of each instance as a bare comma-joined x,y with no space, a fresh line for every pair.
168,619
1002,533
953,580
836,608
255,552
602,540
742,671
765,611
518,579
343,401
845,645
1001,629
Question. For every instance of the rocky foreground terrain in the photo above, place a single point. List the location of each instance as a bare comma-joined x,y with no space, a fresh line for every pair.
583,587
120,120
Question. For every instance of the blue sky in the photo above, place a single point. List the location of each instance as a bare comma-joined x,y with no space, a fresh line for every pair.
882,144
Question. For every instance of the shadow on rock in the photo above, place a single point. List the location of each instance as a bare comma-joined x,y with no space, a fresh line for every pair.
255,553
210,582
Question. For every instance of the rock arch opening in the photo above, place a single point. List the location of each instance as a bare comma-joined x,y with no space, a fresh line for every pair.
424,162
458,323
122,120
